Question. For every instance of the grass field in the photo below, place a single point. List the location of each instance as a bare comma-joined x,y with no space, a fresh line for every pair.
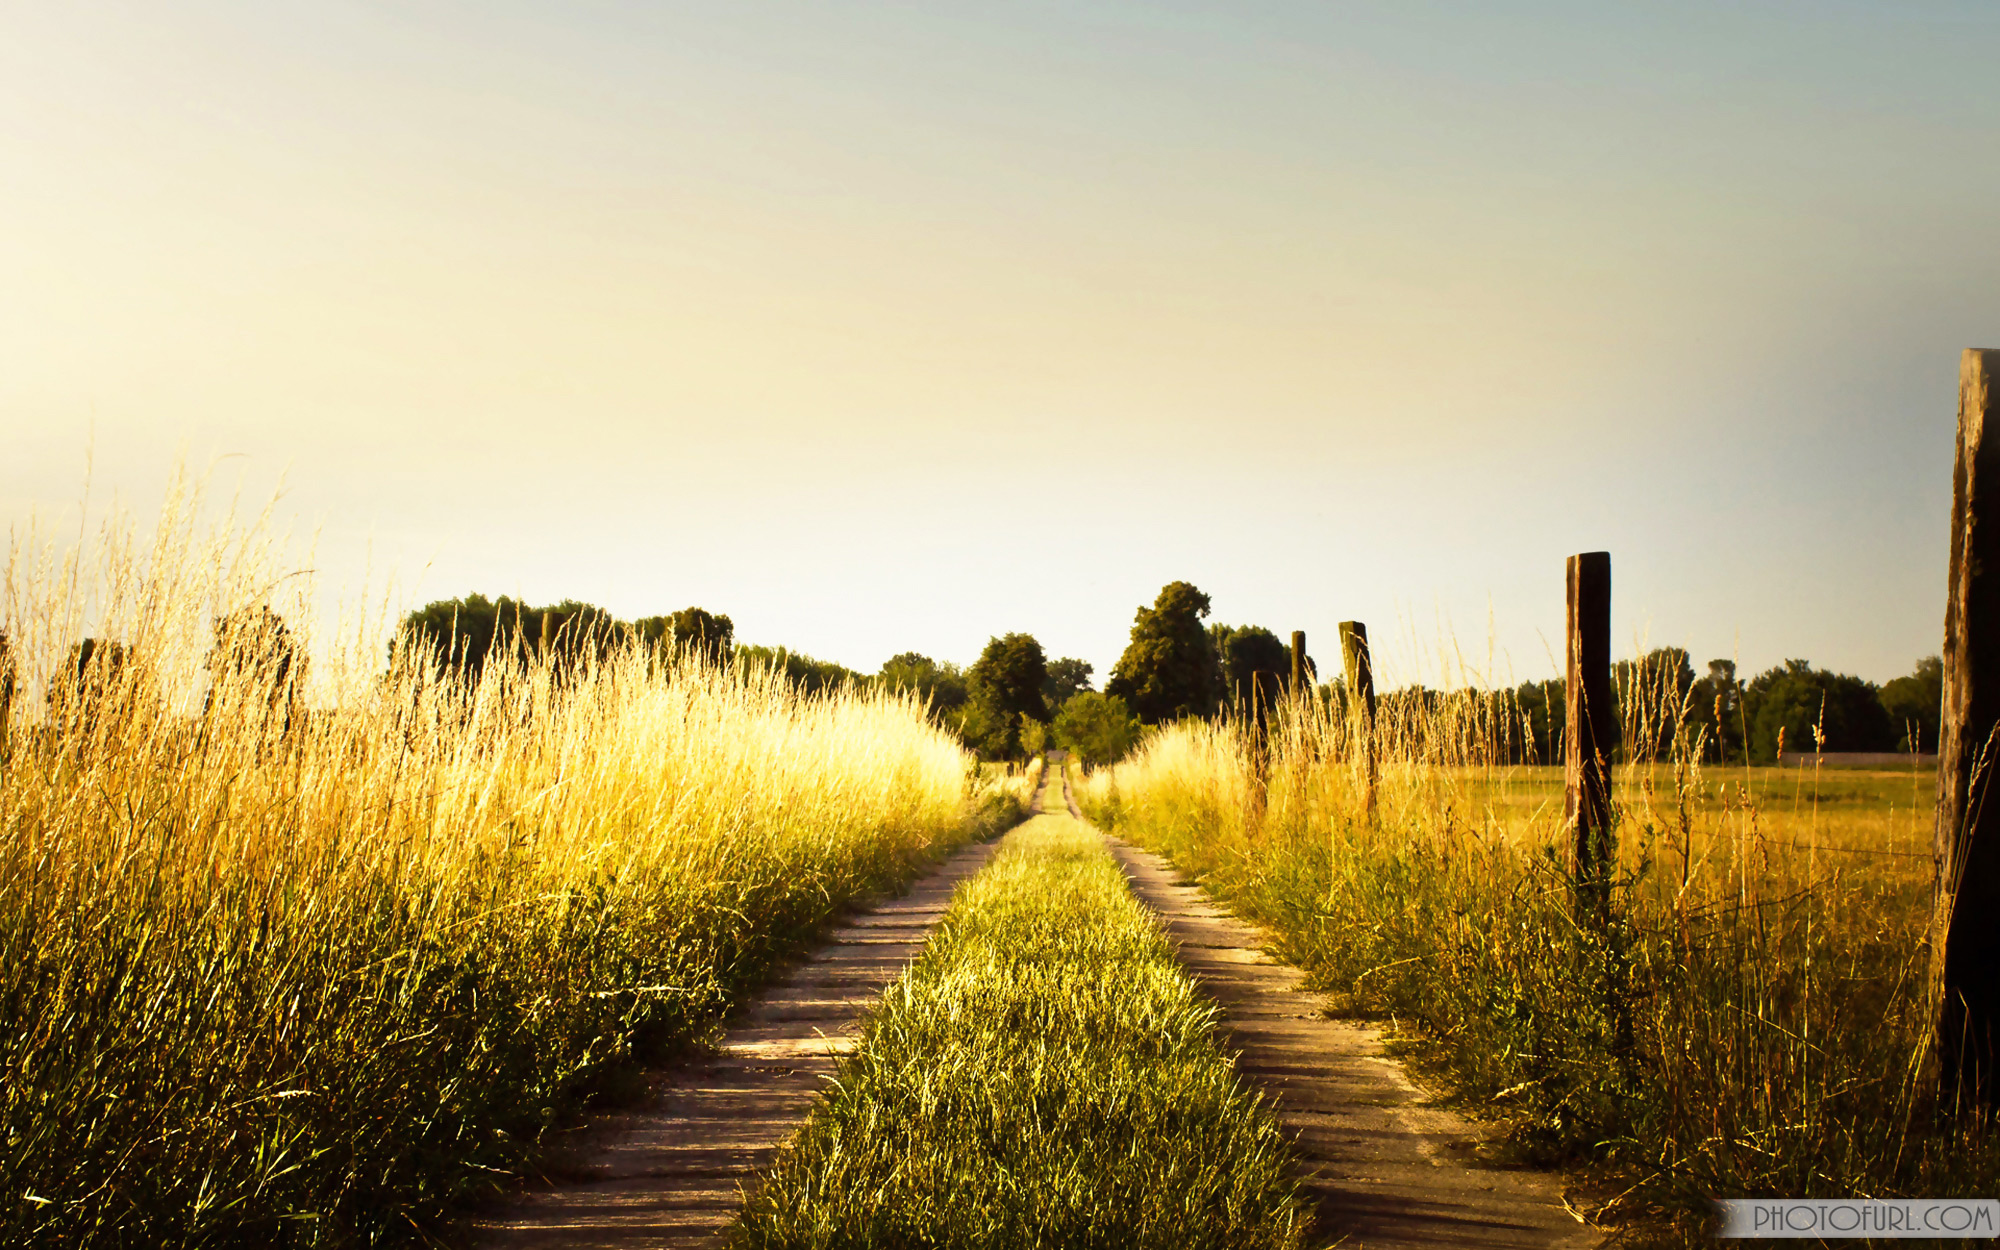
1754,1020
1044,1076
305,966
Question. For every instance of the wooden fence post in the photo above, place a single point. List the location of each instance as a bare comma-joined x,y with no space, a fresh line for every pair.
1591,732
1299,665
1966,916
1361,703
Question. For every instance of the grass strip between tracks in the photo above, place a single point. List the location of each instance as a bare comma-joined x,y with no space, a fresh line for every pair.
1044,1075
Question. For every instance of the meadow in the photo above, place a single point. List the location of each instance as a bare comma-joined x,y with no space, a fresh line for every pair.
313,958
1755,1017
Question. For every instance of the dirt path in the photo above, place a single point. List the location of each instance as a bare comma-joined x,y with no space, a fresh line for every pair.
1383,1169
669,1171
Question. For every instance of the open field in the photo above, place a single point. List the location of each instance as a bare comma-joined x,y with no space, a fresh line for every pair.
1754,1021
1044,1075
310,970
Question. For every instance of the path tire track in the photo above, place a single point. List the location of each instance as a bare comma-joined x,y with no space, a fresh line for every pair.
1381,1169
670,1171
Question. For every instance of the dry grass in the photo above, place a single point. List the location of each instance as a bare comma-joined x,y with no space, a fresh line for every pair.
1755,1019
310,960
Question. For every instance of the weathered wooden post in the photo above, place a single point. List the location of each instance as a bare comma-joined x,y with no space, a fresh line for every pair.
1299,690
1361,704
1591,733
1966,919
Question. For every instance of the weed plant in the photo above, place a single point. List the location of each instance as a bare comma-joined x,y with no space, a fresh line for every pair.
1045,1075
1753,1019
309,962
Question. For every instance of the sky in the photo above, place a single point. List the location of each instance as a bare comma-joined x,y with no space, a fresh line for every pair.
885,326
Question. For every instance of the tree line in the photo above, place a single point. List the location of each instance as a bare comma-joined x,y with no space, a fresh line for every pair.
1789,707
1014,700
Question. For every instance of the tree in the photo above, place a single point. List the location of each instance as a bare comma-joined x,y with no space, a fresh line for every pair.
1034,736
1256,667
801,670
1543,711
1795,698
1098,727
697,630
256,662
1003,685
1169,668
1067,676
462,636
1651,693
1718,707
457,634
7,676
943,685
92,684
1914,705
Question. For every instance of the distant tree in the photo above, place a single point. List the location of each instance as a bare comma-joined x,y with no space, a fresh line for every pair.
570,633
1067,677
1006,681
1717,708
1256,667
7,678
985,730
1098,727
694,630
1915,705
804,672
1169,668
256,658
1652,692
92,683
457,634
1540,712
1034,736
1795,698
942,684
463,635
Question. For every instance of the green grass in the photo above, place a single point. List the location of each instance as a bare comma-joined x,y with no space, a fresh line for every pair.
1045,1075
1753,1022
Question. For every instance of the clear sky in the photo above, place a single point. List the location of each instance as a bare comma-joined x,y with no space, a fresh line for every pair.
845,319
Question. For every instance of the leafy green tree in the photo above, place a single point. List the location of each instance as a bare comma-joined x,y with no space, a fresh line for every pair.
942,684
1169,668
1033,735
1098,727
801,670
1067,676
1540,713
7,679
1795,697
462,636
697,630
1651,693
93,682
1719,710
255,656
1255,667
458,634
1915,706
985,730
1006,683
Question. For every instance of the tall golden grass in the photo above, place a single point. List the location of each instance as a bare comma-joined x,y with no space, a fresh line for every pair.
309,954
1754,1019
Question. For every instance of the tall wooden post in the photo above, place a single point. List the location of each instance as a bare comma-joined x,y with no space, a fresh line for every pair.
1301,679
1591,733
1361,703
1966,919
